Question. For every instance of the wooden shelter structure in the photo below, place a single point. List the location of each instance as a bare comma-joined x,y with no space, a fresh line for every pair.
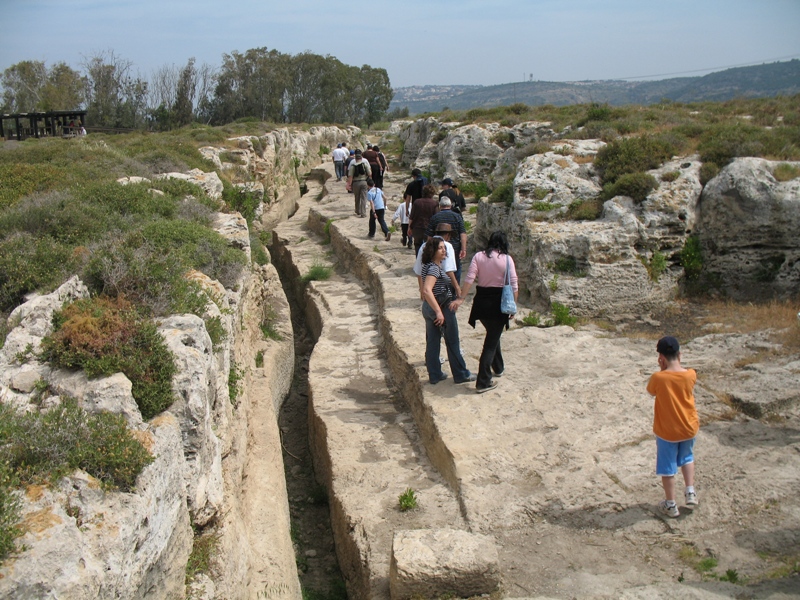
63,123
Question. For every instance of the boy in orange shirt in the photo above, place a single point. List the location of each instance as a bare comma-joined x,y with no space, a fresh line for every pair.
675,423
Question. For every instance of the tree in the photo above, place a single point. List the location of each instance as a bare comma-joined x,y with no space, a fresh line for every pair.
64,89
22,86
115,98
184,101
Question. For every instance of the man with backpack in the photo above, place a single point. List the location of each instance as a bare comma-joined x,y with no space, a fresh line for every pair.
357,174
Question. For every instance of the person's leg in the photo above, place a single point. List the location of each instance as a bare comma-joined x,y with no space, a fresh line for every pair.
371,224
688,474
491,342
457,365
404,230
418,235
380,213
433,340
669,487
667,466
458,269
498,365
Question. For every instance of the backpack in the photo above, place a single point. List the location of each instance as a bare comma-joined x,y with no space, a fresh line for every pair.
359,170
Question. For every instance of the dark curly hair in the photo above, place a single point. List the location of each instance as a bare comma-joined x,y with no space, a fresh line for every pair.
497,241
429,191
430,250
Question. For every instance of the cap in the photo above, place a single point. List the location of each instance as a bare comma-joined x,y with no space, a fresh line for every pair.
447,181
445,201
353,152
444,228
358,151
416,172
668,345
338,145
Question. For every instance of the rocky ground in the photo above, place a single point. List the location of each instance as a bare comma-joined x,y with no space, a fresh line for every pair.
558,463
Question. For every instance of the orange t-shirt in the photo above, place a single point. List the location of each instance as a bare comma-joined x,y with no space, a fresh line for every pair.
675,418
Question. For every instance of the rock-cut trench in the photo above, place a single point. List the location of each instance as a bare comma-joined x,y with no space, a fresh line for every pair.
311,531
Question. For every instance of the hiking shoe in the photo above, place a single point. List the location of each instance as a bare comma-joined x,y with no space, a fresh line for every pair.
500,374
691,499
389,236
442,378
472,377
491,386
670,510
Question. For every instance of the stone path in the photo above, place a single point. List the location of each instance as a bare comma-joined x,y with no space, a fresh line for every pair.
556,463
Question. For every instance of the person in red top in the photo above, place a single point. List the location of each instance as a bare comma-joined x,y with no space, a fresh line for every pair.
675,423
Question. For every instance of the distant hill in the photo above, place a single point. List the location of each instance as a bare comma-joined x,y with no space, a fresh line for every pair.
750,82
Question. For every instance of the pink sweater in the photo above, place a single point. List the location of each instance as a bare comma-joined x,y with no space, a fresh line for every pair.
491,271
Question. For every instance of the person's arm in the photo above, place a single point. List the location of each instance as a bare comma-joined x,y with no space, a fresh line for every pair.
462,295
427,295
454,281
463,252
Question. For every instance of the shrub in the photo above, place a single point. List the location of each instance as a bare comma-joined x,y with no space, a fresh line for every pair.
9,511
587,209
532,319
786,172
201,557
504,139
531,149
544,206
568,265
46,445
105,336
656,265
633,185
317,272
708,171
407,500
19,180
670,176
722,143
503,193
476,189
631,155
561,314
242,201
692,258
541,193
235,376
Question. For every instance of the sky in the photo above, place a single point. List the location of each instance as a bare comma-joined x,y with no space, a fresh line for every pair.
445,42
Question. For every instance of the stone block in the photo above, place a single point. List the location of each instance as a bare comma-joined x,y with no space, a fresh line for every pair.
428,563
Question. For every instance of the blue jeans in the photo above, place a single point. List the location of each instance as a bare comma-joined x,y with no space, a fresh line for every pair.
338,166
433,339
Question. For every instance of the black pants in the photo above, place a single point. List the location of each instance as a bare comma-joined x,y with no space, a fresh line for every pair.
406,235
491,359
378,214
377,176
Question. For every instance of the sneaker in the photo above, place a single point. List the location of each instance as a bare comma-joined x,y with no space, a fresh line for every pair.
691,499
442,360
442,378
491,386
389,236
500,374
670,510
472,377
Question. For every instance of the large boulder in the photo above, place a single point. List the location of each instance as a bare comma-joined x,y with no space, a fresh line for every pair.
748,224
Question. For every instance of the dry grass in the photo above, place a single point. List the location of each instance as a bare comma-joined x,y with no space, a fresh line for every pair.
583,160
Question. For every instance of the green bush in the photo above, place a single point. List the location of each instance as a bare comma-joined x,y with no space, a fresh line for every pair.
18,180
503,193
633,185
9,508
561,314
475,189
786,172
544,206
44,446
656,265
242,201
670,176
631,155
721,143
692,258
317,272
708,171
104,336
586,209
541,193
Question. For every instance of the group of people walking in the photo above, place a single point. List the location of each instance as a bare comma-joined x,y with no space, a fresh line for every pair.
436,228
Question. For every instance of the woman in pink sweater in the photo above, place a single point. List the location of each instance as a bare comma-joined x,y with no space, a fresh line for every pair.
488,271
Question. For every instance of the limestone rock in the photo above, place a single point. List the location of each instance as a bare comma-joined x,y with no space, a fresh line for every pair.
105,394
132,179
194,386
84,543
210,182
233,227
748,224
428,563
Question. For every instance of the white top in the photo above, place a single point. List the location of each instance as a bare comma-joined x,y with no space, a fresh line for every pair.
340,154
400,213
448,264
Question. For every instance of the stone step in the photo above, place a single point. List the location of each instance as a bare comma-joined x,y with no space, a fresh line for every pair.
365,443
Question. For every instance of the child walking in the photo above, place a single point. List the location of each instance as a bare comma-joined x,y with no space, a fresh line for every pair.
675,423
377,206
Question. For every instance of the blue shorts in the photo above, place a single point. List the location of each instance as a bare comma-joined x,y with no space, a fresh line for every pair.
671,455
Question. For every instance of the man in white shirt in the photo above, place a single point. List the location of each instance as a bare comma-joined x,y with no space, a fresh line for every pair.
339,156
